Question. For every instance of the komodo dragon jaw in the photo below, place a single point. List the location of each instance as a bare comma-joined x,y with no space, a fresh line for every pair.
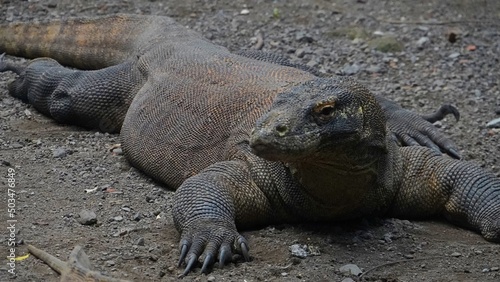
328,117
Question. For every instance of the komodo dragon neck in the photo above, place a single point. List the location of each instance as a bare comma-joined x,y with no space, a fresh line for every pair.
340,185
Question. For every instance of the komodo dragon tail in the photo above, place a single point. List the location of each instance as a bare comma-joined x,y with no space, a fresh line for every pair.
81,43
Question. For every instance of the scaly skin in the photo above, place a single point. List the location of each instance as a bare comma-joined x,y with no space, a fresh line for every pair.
246,140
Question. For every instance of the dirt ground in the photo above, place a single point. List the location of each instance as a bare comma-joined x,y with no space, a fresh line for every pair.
449,54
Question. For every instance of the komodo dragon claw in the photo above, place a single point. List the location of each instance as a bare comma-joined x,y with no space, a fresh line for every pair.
77,268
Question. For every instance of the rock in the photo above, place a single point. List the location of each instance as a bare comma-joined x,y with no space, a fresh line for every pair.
140,241
300,52
118,218
137,216
245,12
301,36
211,278
455,254
59,153
110,263
303,251
386,44
495,268
422,42
351,69
494,123
374,69
298,251
16,145
87,217
348,280
350,269
454,55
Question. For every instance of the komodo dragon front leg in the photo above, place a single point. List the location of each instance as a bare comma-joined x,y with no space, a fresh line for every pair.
460,191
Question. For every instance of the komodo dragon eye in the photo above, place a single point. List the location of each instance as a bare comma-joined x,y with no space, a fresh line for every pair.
324,110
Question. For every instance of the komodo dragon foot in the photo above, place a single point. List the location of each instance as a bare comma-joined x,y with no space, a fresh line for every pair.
77,268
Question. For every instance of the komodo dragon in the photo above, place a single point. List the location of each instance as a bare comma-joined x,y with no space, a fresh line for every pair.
245,140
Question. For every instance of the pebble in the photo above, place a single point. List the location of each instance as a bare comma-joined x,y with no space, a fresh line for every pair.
494,123
140,241
211,278
455,254
110,263
351,69
118,218
59,153
245,12
422,42
137,216
303,251
87,217
301,36
16,145
347,280
350,269
454,55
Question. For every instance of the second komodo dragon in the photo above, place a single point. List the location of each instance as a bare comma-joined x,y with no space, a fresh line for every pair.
245,139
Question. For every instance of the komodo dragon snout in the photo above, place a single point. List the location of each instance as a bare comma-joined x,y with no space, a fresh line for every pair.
314,117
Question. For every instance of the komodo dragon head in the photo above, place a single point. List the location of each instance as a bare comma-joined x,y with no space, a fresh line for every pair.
321,118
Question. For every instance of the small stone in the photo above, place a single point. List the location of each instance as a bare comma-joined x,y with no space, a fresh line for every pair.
118,218
300,52
110,263
373,69
127,209
59,153
485,270
117,151
312,63
455,254
494,123
422,28
245,12
454,55
495,268
347,280
303,37
137,216
351,69
422,42
211,278
140,241
16,145
87,217
408,256
284,274
350,269
298,251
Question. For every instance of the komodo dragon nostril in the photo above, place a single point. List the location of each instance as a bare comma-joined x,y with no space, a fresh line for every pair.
281,129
